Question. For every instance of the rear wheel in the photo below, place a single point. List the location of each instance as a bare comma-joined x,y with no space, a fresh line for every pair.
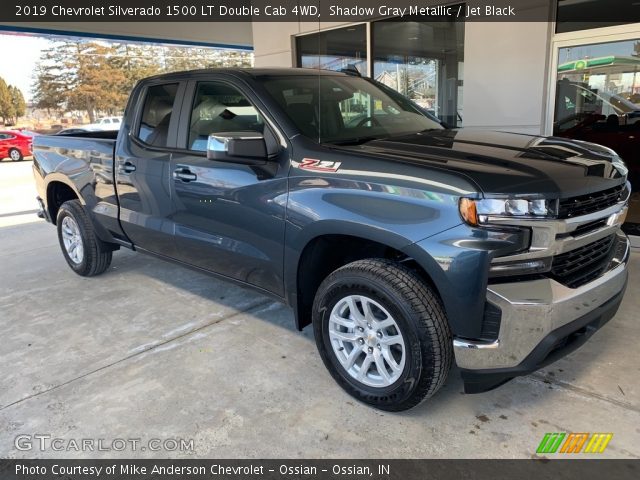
85,253
15,155
382,333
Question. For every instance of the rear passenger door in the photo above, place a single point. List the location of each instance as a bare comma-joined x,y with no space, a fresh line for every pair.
229,217
143,170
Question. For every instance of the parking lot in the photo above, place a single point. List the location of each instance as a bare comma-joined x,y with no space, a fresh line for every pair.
153,350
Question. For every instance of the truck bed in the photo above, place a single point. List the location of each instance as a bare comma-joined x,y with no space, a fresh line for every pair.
87,160
61,153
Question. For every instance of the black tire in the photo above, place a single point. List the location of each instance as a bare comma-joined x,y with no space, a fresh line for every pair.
420,316
97,255
15,155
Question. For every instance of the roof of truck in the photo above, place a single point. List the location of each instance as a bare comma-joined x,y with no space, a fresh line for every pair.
254,72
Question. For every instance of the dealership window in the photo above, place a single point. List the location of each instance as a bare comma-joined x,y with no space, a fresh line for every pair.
156,114
422,60
598,100
217,108
334,49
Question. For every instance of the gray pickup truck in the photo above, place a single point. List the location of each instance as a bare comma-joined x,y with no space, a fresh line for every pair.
406,244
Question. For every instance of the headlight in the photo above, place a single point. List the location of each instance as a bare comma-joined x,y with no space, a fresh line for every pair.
476,212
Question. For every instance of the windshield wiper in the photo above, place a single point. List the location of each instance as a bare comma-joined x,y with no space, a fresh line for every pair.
357,140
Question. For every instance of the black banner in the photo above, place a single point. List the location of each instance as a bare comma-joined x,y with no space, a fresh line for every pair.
609,11
319,469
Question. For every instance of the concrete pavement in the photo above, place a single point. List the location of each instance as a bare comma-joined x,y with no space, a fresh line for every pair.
150,350
17,193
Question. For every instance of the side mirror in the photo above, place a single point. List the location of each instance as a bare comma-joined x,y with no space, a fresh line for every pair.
238,147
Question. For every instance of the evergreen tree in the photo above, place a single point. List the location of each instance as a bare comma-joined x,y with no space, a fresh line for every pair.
6,106
49,85
18,103
96,80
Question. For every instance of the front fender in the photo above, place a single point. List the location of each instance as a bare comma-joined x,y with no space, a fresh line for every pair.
391,215
458,261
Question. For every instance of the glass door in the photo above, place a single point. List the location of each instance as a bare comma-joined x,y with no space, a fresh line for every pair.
597,99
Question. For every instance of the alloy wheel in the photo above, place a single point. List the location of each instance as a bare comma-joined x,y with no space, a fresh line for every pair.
367,341
72,240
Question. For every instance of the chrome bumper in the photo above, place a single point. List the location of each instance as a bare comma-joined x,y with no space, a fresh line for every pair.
532,310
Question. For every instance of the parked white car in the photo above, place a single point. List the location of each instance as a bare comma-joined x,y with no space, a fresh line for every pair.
105,123
110,121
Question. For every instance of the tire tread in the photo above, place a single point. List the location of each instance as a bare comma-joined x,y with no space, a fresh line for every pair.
97,255
436,341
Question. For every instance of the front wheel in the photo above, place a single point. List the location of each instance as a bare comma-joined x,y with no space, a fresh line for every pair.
382,333
85,253
15,155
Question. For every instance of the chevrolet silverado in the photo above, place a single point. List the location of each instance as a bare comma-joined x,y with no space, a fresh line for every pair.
407,245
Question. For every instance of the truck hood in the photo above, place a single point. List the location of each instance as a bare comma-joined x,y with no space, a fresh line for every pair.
507,163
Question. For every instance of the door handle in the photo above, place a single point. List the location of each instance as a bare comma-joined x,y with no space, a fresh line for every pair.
127,167
184,174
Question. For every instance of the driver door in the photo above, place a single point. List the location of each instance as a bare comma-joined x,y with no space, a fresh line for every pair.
229,217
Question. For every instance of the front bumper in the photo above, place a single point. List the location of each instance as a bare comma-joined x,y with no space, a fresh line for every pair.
542,320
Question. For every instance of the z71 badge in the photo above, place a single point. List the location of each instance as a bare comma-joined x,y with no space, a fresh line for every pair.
319,165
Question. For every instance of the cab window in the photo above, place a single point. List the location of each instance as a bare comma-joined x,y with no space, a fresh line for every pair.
218,108
156,114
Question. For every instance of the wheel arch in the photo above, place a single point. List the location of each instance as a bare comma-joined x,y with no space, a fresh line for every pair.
323,253
58,192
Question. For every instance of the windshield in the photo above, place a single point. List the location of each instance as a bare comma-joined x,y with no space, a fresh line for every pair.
344,110
616,103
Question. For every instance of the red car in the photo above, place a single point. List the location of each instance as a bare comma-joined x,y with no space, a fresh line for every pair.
14,145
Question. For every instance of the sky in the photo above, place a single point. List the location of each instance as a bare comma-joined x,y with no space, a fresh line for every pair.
20,54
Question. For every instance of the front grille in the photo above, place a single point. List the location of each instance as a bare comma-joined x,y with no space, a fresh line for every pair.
580,266
592,202
589,227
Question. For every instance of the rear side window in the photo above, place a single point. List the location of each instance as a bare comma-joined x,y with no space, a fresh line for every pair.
218,108
156,114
